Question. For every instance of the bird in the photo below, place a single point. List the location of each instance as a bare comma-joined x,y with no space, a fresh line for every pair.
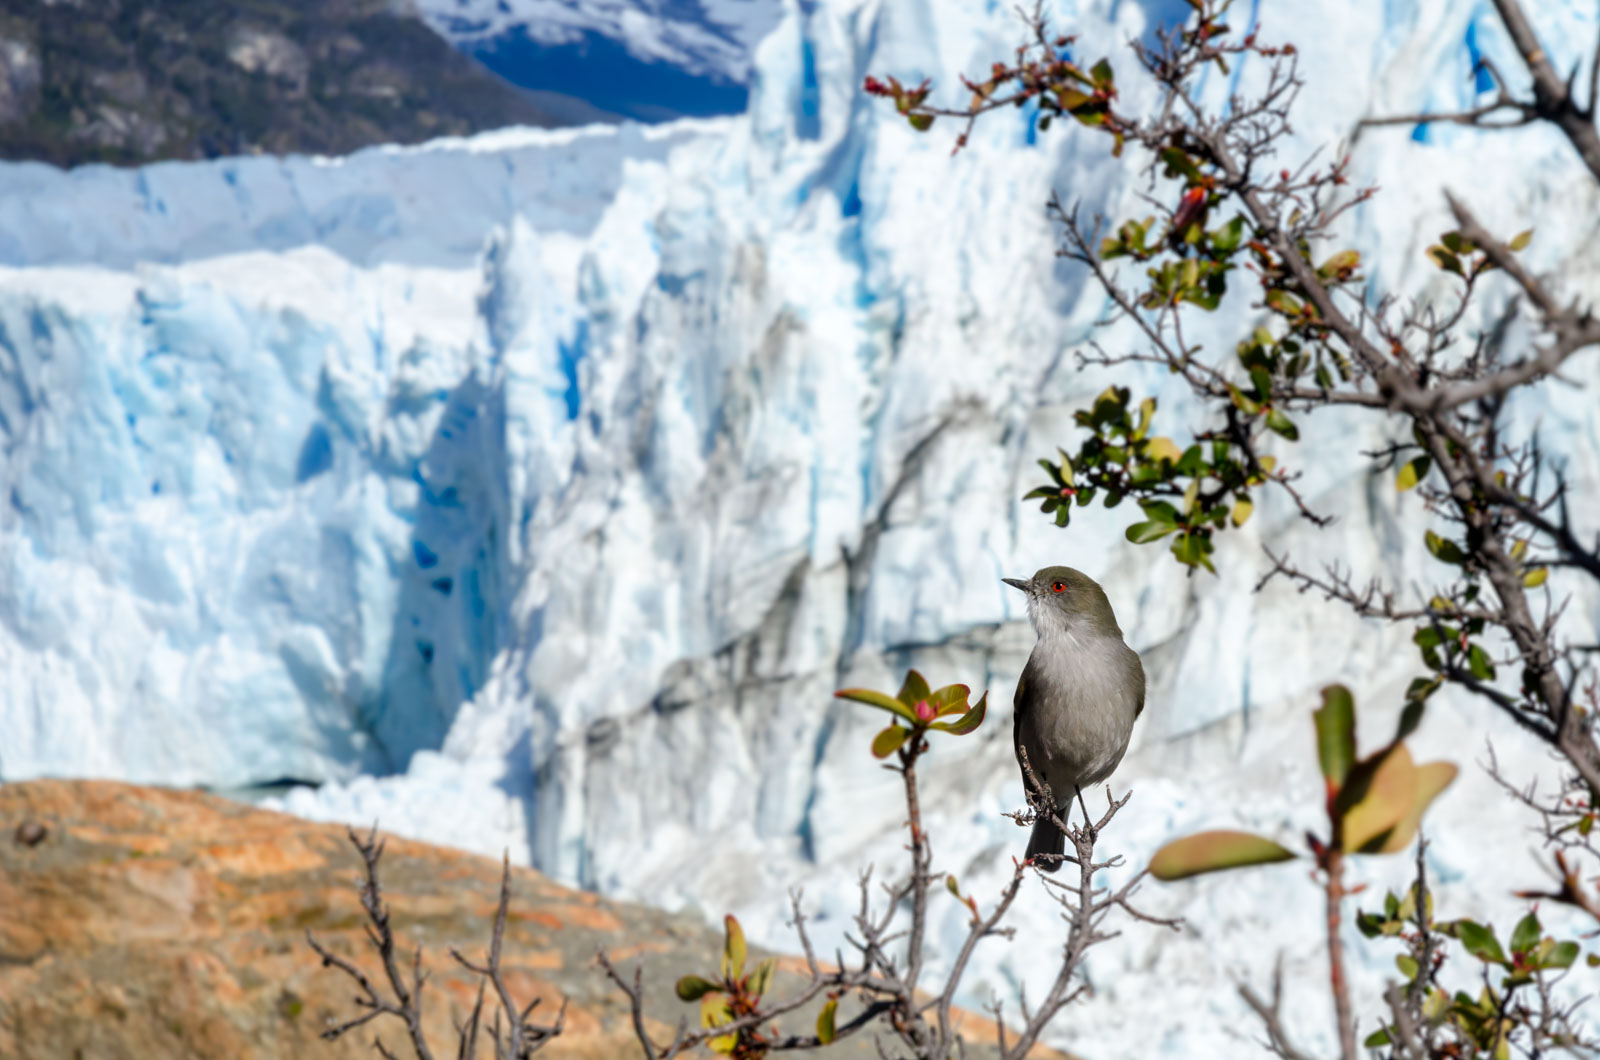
1078,697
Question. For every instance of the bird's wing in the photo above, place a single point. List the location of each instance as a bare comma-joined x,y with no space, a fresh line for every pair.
1016,706
1138,684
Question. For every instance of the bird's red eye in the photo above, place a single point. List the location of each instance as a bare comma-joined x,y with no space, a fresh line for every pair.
1058,587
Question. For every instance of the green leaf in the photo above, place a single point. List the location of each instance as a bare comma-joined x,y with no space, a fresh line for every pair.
1535,577
1282,424
1241,511
1418,692
951,699
1343,262
1160,511
1521,240
1445,259
733,950
1411,713
1429,639
1101,72
1478,662
1179,164
1146,532
761,978
1110,405
1189,273
693,988
920,122
825,1032
1226,239
1193,548
968,721
951,885
1562,956
1408,966
1376,1038
1525,936
1147,415
1408,906
1336,733
1479,941
1214,851
888,741
876,699
714,1010
915,690
1159,449
1283,302
1261,379
1246,405
1066,467
1443,549
1412,472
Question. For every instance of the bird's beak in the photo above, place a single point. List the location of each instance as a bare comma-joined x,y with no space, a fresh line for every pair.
1018,583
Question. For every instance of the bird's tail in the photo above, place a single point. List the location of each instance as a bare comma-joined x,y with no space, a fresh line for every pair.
1046,839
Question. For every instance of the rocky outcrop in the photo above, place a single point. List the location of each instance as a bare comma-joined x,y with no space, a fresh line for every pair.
125,82
145,922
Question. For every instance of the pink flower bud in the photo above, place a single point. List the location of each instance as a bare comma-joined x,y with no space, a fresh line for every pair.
925,711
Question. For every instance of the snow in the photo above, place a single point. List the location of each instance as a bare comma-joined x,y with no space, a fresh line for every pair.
535,491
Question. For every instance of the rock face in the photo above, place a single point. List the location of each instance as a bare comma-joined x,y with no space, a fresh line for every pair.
143,922
116,81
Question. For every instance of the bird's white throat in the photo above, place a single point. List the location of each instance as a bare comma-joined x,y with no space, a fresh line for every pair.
1051,622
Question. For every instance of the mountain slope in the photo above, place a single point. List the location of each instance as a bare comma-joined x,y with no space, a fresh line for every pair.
125,82
142,922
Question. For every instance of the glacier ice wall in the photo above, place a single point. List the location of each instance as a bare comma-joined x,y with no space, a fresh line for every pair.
428,205
705,39
255,520
582,519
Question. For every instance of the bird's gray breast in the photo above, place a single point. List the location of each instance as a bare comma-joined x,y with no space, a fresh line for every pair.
1076,705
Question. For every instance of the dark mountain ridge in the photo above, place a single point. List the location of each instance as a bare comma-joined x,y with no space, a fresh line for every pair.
133,81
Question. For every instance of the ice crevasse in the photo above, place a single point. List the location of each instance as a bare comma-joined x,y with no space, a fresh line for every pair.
536,490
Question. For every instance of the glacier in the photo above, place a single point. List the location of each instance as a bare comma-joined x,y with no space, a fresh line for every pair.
534,492
712,39
649,60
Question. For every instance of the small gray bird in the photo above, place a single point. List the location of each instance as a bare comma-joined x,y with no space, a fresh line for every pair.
1078,696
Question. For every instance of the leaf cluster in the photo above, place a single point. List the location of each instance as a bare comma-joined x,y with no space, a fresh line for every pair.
1374,804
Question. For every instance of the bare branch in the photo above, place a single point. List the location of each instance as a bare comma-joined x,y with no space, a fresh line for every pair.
406,1002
